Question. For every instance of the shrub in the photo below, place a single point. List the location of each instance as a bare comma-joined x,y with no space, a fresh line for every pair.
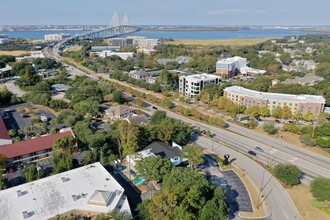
307,140
291,128
323,141
320,188
270,128
288,174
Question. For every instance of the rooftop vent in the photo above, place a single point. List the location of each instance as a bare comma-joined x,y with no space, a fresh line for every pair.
27,214
21,193
65,179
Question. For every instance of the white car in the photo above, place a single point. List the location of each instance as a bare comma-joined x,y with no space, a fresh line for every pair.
43,118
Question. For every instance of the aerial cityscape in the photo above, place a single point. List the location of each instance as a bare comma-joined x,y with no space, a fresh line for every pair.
165,110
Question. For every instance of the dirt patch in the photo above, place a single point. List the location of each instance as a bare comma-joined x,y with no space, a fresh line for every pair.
13,53
302,199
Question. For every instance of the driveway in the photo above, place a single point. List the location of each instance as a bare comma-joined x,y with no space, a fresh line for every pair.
14,89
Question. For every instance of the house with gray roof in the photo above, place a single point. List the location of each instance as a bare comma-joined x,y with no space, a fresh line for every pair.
137,74
138,119
172,152
118,112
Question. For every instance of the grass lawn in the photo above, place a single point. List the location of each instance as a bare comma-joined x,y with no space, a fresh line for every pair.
320,204
304,201
225,42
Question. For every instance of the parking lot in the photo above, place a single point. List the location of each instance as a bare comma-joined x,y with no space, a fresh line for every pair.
18,120
237,194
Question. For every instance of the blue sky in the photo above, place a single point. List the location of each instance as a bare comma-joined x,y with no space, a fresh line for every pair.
162,12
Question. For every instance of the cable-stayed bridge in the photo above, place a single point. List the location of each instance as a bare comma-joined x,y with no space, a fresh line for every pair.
117,27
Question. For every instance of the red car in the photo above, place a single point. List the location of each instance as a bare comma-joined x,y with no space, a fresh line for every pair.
277,121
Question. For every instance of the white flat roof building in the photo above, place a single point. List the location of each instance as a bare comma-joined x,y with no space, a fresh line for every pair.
55,37
191,85
108,53
88,189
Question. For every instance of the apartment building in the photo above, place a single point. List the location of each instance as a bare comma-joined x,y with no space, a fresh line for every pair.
191,85
144,43
120,41
249,98
55,37
30,150
230,67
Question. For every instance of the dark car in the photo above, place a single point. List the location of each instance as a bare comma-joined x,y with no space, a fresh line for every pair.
154,107
252,153
259,149
277,121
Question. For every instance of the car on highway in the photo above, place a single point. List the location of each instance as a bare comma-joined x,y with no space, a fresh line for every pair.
251,152
259,149
277,121
154,107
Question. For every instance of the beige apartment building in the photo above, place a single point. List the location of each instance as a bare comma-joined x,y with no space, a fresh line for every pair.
249,98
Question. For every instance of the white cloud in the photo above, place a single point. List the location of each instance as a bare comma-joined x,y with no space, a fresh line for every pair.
226,12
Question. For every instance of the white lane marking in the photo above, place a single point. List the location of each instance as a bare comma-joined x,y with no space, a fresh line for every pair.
293,159
273,151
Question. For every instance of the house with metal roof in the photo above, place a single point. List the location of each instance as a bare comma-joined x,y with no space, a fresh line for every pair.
4,136
27,151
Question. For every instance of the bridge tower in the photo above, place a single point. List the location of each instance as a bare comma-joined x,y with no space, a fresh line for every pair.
125,21
115,20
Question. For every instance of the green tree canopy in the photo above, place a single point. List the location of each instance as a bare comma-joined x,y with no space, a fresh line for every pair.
288,173
320,188
153,168
158,117
194,154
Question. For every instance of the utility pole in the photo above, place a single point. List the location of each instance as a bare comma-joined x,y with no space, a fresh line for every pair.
260,189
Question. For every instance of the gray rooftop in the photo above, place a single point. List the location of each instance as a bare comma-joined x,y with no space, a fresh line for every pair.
275,96
118,109
163,149
138,119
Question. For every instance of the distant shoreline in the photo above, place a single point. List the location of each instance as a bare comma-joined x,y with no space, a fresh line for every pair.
192,29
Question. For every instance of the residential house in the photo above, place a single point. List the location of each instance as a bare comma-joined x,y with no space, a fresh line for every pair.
118,112
137,74
173,153
183,59
138,119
